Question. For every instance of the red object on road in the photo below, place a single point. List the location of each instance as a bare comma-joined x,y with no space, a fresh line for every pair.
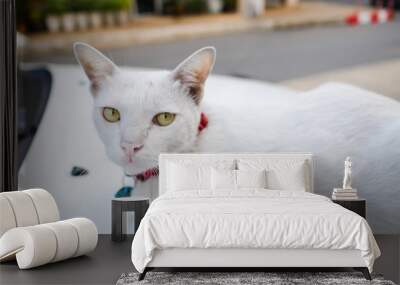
370,17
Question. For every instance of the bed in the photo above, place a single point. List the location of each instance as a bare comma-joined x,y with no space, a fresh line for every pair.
245,211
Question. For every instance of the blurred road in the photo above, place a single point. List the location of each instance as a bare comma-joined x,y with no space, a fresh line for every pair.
272,55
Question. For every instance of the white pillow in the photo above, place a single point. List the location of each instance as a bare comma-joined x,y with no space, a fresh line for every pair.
226,179
188,177
251,178
223,179
282,174
193,174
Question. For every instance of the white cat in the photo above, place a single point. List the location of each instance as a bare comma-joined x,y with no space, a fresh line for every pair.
141,114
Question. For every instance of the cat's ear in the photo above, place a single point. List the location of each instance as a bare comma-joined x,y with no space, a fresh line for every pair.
193,71
96,65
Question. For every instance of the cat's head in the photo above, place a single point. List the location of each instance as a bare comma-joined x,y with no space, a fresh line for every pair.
139,115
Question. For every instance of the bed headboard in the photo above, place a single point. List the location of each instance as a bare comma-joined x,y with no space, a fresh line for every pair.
166,157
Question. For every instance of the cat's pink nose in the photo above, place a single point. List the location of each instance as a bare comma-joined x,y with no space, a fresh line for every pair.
130,149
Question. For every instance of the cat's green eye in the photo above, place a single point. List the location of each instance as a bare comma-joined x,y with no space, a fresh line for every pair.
111,115
164,119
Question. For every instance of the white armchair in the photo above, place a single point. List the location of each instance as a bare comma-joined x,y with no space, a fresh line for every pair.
31,230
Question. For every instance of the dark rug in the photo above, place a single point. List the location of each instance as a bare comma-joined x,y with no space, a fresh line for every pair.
273,278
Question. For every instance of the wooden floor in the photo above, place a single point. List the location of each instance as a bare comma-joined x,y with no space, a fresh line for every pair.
110,260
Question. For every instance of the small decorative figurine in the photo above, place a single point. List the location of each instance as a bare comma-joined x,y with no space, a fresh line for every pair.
347,174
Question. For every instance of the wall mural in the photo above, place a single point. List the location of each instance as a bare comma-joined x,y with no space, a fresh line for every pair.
139,114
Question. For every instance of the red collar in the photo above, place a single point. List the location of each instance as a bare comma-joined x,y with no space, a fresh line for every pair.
203,122
154,171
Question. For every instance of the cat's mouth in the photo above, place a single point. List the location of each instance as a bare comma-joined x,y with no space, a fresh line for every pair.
139,165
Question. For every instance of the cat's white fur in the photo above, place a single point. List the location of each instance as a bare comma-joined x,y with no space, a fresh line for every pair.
332,122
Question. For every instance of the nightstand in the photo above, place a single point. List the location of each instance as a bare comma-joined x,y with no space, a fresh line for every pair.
358,206
139,205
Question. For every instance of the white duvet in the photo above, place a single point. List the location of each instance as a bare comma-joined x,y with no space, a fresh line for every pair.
250,219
